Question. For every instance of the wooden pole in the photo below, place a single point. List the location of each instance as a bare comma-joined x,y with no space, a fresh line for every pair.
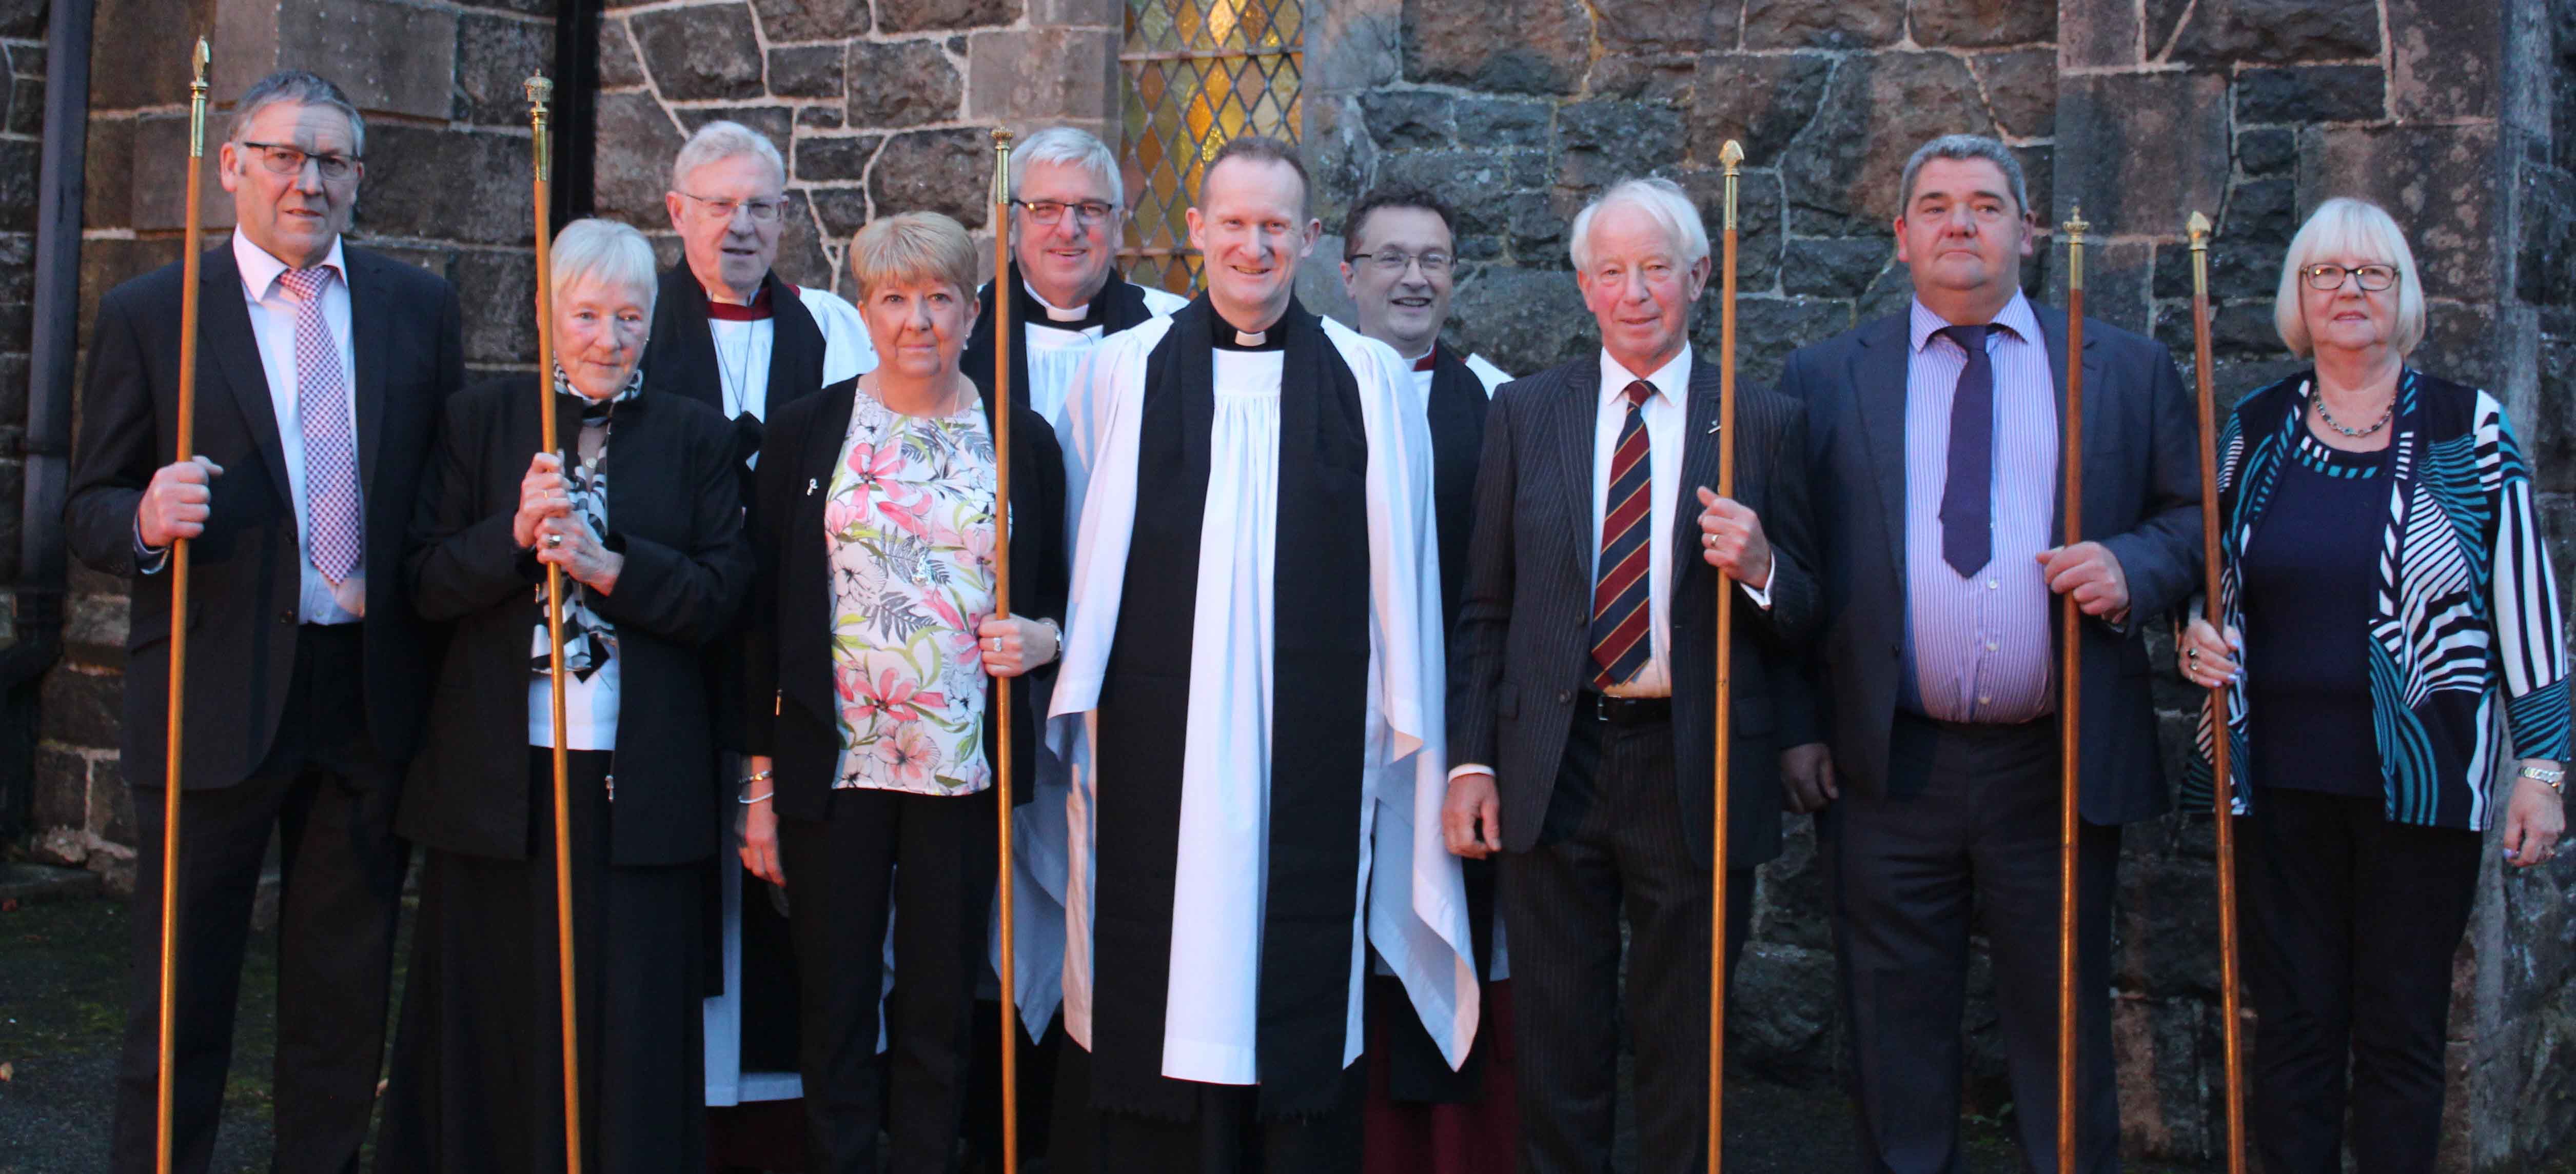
1732,155
2221,774
1002,607
539,90
184,448
2069,715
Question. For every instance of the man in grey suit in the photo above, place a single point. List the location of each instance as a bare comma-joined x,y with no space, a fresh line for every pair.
1931,743
1583,684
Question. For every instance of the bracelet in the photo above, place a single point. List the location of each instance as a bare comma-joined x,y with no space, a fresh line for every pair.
758,776
751,799
1055,632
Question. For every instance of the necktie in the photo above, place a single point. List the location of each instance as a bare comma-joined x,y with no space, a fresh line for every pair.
1620,622
335,531
1967,498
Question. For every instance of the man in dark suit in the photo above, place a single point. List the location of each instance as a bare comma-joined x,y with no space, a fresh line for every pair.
1583,687
1931,744
322,369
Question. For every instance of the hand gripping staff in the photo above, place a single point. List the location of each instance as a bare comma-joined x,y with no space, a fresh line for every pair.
1732,155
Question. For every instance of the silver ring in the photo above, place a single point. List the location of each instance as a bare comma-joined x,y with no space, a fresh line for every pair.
995,643
2191,654
554,541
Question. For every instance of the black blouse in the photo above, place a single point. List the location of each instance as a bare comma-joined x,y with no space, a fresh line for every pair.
2309,575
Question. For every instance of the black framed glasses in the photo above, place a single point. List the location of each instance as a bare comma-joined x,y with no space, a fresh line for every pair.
1051,212
2373,278
762,211
1393,263
287,159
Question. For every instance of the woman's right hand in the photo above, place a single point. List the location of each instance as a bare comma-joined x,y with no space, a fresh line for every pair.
543,494
2204,659
760,826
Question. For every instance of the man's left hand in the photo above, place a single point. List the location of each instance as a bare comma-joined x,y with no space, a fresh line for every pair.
1730,538
2090,574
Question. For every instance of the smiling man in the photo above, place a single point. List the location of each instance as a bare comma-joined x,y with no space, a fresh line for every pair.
1252,673
1931,743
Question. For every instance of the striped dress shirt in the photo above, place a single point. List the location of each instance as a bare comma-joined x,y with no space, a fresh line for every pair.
1977,646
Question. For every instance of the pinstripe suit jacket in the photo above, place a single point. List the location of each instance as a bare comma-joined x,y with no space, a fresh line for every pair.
1522,651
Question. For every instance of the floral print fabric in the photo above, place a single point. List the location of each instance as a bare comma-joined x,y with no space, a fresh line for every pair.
909,524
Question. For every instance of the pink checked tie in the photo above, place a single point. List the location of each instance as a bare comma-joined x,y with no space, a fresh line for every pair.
335,533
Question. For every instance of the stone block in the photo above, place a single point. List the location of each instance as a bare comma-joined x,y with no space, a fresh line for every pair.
1833,268
2246,250
22,18
775,123
2434,179
1634,27
2099,33
699,52
1351,45
2315,93
806,71
95,622
619,67
902,83
2166,1050
2446,59
81,707
494,56
840,211
1792,1038
26,114
935,171
418,177
631,159
496,287
111,801
1600,143
1409,119
1803,24
801,260
107,173
127,72
1876,111
389,57
1534,231
1767,329
1758,99
62,789
2021,90
1096,14
2544,269
826,117
2465,343
1339,157
1509,46
1043,75
1757,220
913,16
1473,183
1523,320
1983,23
834,158
2267,151
1790,902
1503,124
2217,32
159,184
813,20
2139,152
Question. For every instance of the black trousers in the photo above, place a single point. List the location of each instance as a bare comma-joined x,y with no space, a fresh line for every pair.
323,791
928,860
1224,1135
1906,878
2354,924
1613,846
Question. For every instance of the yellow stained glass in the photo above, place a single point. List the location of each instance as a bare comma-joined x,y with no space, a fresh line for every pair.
1199,72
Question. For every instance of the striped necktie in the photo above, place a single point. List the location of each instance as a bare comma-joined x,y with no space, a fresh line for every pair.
335,531
1621,624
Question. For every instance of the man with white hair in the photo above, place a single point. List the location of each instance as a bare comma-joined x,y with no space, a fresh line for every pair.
1583,687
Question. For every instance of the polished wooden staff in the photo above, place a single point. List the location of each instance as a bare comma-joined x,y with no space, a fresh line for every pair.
185,446
2220,773
1732,155
2069,718
1001,415
539,90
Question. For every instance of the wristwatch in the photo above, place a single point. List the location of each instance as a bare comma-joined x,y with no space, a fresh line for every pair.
2554,778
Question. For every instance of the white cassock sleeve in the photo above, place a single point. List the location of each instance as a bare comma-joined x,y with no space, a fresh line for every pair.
846,349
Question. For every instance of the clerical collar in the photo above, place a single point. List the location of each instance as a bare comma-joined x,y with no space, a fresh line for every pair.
1230,339
758,311
1073,318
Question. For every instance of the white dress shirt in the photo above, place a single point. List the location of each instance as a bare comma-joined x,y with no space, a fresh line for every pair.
1667,427
272,322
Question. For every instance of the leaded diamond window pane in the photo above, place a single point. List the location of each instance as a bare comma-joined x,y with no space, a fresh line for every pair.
1199,72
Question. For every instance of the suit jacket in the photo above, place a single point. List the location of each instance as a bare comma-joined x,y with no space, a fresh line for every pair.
792,711
245,570
2141,501
1521,655
675,513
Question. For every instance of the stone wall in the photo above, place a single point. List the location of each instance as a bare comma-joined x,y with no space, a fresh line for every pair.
446,188
22,116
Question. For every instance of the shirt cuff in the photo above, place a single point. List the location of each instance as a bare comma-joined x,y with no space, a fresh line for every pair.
1761,596
1469,768
148,560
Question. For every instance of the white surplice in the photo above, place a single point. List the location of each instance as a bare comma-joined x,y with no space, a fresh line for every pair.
1054,354
1410,901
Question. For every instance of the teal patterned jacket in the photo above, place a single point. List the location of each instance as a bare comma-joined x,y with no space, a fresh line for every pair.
2466,618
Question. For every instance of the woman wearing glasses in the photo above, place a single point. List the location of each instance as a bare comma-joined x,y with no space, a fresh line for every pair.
2388,599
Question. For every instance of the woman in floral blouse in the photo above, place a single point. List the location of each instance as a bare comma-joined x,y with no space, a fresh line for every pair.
875,639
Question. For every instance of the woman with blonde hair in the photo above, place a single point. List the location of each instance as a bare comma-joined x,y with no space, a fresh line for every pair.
2389,605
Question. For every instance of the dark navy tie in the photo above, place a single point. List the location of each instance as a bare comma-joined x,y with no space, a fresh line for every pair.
1967,499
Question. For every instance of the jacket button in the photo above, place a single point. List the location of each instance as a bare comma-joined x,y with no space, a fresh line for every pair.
1565,697
287,616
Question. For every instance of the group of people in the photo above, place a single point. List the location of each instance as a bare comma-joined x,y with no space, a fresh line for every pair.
1361,697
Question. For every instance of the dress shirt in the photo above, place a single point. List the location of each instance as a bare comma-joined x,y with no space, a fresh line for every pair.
1978,646
272,321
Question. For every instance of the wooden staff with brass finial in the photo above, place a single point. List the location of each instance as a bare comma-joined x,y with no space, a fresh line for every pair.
2069,719
2221,775
184,447
1732,155
1001,415
539,90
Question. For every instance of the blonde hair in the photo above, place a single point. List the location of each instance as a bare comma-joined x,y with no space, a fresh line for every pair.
592,249
912,246
2347,226
1657,197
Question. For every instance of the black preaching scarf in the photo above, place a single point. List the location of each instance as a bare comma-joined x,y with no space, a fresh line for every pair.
1317,739
680,356
1119,305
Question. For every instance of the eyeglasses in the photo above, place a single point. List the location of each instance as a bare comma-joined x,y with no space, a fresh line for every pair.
2373,278
281,159
1051,212
762,211
1391,262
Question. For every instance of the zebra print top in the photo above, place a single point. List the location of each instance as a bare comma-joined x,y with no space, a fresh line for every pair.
2465,619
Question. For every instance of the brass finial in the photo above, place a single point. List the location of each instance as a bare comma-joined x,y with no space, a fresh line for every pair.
541,90
198,61
1001,167
1732,154
2198,227
2076,227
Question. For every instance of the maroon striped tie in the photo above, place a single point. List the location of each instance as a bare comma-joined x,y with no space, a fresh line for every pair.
1621,621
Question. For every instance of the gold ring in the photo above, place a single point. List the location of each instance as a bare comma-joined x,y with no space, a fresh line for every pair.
554,541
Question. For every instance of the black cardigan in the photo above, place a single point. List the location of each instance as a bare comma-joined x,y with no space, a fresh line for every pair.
675,513
789,700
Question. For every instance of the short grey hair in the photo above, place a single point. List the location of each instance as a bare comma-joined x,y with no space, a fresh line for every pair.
1657,197
1965,147
721,140
912,246
2340,226
605,251
301,88
1069,146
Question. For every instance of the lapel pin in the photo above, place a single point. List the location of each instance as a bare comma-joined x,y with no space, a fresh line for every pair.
809,485
1712,427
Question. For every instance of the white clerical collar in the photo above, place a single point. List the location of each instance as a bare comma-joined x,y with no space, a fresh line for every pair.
1054,312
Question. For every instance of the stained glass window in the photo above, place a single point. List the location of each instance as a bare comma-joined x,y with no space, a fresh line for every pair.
1199,72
